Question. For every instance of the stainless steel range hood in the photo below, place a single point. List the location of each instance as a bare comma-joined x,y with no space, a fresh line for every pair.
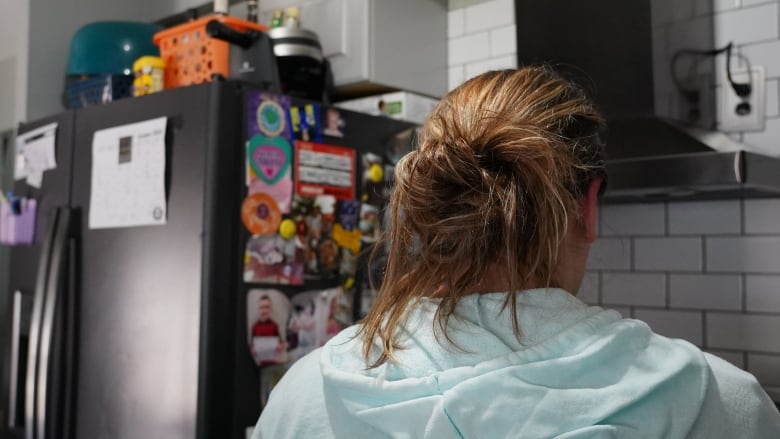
657,160
608,46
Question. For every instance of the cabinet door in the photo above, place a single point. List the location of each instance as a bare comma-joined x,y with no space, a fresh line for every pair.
342,26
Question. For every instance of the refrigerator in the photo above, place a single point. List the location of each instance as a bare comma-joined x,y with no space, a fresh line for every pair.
141,332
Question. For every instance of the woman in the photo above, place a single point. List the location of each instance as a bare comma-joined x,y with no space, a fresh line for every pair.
476,332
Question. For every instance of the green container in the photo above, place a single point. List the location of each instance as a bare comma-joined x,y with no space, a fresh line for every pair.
110,47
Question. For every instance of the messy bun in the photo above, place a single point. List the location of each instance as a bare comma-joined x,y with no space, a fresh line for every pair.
501,163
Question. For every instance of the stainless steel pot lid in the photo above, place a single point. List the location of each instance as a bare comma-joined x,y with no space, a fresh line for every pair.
289,41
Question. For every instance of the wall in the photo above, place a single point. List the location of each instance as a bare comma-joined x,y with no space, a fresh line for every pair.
53,23
13,62
707,272
481,37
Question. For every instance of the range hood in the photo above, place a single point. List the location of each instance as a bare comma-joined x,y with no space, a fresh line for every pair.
607,46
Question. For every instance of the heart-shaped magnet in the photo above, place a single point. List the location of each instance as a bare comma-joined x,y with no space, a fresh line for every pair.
270,158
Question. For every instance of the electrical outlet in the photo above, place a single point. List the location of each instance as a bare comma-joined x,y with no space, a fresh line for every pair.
743,114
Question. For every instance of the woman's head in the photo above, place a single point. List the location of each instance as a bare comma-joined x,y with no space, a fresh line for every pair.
499,193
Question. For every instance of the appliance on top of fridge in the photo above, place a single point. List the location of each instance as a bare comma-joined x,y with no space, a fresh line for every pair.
146,320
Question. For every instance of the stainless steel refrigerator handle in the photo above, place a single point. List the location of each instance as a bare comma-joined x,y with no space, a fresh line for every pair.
16,333
53,287
35,323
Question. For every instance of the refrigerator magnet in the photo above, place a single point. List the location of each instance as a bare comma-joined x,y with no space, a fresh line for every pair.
375,188
272,259
260,214
334,124
270,168
267,315
306,124
267,114
324,170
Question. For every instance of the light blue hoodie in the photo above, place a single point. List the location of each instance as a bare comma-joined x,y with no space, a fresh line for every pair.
576,372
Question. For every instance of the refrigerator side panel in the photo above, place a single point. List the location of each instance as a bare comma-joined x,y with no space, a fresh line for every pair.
140,287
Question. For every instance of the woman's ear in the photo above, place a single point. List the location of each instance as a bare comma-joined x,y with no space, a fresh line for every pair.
589,205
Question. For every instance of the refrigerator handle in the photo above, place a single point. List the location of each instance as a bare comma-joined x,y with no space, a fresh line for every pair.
54,285
16,334
35,323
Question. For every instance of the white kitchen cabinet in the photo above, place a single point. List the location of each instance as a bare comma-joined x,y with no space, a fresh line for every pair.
378,44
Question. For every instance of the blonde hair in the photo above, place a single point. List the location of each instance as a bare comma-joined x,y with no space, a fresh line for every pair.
500,165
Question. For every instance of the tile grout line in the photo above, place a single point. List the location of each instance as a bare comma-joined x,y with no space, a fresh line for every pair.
667,220
704,329
668,288
704,254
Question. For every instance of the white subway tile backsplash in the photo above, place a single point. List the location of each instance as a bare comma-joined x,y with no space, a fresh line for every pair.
744,26
701,7
767,141
661,12
668,254
633,219
762,216
735,358
762,293
610,254
691,34
503,41
455,76
705,217
589,290
705,291
468,48
724,5
766,368
743,331
748,3
772,98
660,41
743,254
764,54
674,324
479,67
456,23
489,15
667,11
648,289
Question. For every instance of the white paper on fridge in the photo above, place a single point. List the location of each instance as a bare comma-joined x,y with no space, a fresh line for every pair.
128,176
35,153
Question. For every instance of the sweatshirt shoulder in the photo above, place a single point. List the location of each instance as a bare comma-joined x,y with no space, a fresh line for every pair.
296,406
735,404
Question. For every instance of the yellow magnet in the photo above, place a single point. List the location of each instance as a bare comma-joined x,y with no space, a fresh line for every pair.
287,229
376,173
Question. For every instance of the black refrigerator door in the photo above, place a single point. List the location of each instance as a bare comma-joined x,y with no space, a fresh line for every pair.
365,134
25,261
144,291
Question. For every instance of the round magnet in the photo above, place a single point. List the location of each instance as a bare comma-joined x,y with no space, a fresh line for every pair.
271,118
287,229
376,173
261,214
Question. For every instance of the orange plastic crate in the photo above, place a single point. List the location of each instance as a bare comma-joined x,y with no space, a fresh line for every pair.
191,56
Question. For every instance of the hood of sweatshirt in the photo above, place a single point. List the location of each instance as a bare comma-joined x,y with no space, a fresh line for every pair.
576,371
